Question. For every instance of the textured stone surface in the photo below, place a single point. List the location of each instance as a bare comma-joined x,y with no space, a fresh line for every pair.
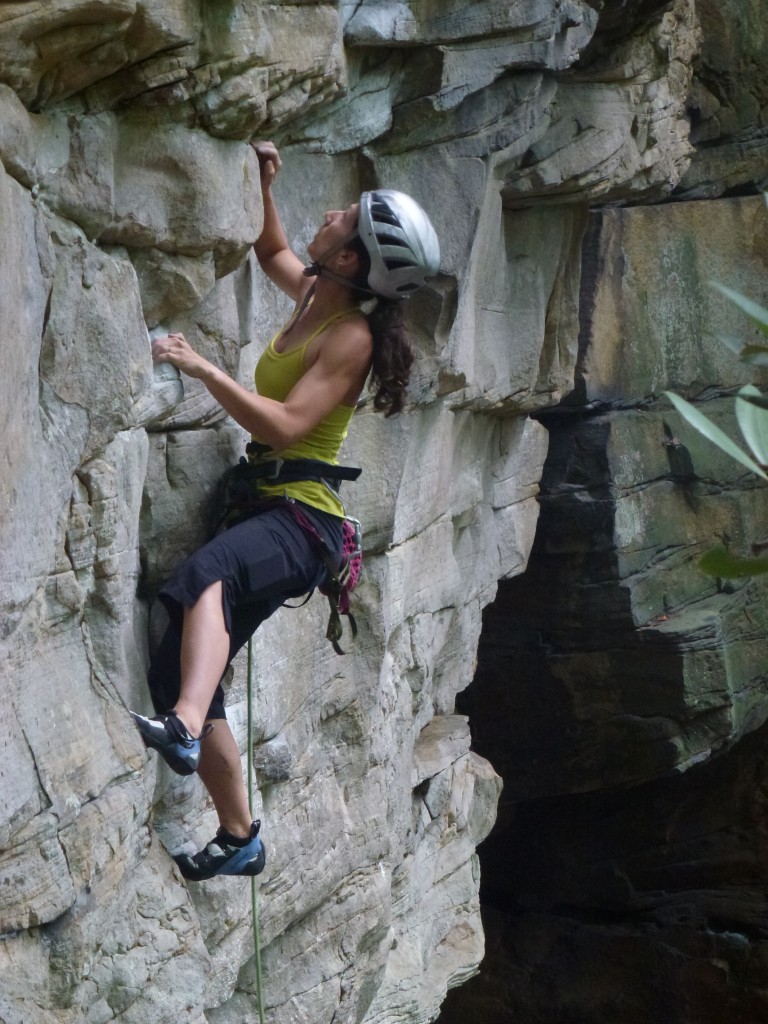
621,693
652,320
727,100
128,198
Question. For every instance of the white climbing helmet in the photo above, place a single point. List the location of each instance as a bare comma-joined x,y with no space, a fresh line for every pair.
400,240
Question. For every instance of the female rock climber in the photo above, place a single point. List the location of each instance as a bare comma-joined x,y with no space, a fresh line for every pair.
376,252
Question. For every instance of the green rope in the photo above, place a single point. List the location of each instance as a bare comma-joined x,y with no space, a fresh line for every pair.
254,901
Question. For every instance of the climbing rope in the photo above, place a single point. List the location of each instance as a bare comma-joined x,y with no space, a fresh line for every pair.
254,899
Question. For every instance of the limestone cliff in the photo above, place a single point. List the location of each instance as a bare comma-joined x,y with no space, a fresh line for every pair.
129,198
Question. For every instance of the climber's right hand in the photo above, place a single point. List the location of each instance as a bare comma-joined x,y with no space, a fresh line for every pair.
269,162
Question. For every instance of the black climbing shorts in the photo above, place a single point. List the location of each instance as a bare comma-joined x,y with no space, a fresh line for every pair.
261,562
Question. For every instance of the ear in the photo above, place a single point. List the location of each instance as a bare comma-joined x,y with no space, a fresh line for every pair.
347,262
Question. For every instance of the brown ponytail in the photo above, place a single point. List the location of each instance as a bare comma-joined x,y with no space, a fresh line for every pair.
392,352
392,356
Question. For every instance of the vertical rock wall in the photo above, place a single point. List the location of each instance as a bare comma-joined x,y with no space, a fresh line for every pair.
621,693
128,198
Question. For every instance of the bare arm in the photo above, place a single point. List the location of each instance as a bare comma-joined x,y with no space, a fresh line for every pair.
337,376
275,256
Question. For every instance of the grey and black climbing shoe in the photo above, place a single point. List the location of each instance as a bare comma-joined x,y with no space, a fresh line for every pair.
168,735
225,855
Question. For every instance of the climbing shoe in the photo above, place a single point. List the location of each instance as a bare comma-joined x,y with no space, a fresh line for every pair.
168,735
225,855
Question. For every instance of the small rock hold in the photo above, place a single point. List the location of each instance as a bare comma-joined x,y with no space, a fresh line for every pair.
273,760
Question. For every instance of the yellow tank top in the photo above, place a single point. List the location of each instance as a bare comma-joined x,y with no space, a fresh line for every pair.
276,373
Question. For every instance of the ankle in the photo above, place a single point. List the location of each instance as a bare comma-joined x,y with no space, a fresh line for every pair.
189,721
238,829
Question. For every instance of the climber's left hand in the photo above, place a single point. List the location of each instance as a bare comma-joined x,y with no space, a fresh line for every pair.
174,348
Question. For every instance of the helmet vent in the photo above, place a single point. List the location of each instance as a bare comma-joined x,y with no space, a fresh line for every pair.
401,242
382,212
385,239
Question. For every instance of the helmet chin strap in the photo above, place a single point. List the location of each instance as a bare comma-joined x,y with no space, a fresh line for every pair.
304,303
318,268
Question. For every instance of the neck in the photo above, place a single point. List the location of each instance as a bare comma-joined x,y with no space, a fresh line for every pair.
330,297
322,300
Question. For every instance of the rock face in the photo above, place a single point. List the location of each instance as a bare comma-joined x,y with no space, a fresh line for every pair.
128,199
620,692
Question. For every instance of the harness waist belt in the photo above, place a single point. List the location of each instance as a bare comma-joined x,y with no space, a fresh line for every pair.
284,471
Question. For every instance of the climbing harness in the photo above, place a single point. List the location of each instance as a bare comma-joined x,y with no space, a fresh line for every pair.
254,893
238,492
277,470
239,499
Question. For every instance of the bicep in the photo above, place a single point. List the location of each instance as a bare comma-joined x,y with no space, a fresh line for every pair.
336,378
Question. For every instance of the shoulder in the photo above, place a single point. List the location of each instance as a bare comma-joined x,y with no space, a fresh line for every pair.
349,341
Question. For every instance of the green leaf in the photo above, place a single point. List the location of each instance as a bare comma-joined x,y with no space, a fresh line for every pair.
719,562
753,423
755,355
713,433
761,401
756,313
736,345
